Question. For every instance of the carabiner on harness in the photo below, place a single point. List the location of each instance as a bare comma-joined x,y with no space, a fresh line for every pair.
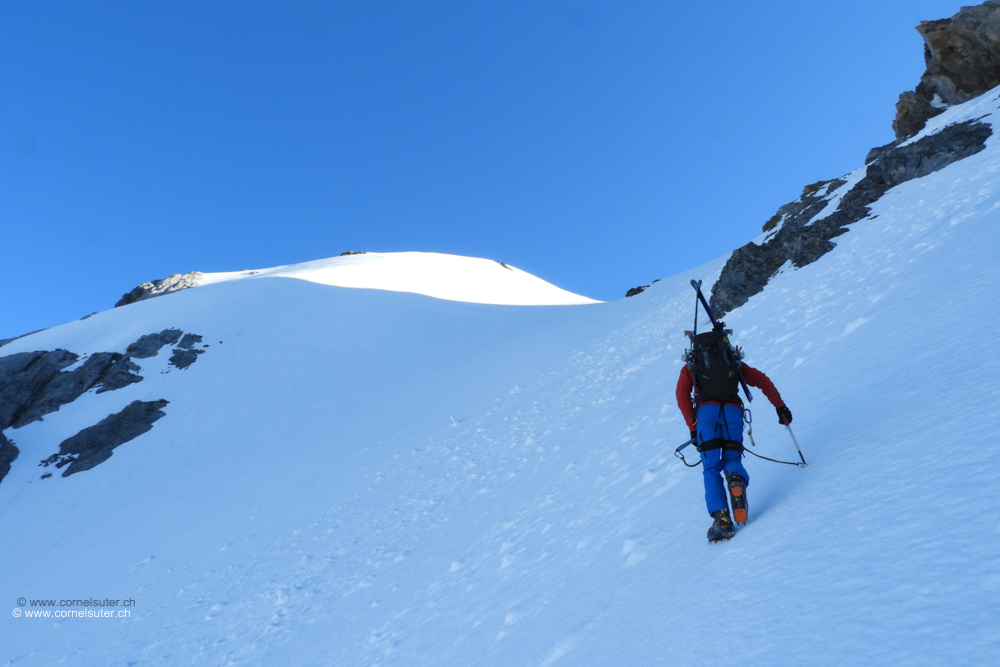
677,453
748,418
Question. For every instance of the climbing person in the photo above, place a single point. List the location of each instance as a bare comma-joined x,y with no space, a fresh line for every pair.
714,415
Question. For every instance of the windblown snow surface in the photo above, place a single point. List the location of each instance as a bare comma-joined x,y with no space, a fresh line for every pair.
365,477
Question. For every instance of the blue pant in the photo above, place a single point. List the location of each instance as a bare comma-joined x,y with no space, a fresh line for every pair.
726,423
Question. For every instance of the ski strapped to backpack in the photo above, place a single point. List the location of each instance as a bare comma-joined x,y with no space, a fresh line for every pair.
696,284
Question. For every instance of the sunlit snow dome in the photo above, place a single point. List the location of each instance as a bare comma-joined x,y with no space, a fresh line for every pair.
441,276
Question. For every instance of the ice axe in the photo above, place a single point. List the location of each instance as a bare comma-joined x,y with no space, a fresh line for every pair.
796,443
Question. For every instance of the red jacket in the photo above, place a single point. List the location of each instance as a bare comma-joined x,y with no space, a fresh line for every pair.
753,377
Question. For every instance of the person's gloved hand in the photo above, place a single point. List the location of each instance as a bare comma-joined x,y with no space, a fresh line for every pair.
694,434
784,416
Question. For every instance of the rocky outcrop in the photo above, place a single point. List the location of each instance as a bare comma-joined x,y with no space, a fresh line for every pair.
189,341
801,240
24,379
8,453
149,345
121,372
962,55
94,445
33,384
640,289
635,291
814,199
185,354
166,285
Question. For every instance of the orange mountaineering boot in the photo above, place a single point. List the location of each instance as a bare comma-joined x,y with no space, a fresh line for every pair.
738,496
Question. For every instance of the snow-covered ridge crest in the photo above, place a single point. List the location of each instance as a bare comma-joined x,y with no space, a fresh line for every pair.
449,277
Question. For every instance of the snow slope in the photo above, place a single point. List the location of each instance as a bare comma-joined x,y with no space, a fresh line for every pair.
366,477
434,274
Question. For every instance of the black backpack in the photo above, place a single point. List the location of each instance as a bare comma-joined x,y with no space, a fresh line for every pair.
716,366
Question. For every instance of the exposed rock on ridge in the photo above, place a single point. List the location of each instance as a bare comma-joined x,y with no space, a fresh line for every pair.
801,240
962,55
639,289
172,283
814,199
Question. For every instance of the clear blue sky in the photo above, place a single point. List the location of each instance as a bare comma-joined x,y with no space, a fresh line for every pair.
597,145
